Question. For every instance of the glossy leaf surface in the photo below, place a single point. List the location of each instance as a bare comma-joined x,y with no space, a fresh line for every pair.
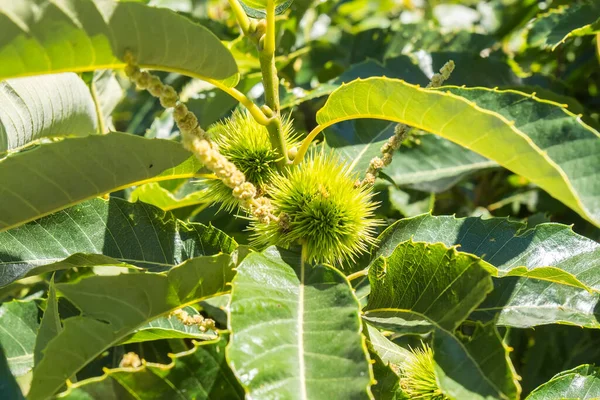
54,176
87,35
211,378
100,232
530,144
114,306
295,330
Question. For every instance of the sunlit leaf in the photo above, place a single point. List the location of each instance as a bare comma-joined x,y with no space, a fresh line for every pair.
54,176
95,34
551,263
169,327
295,330
507,245
44,106
153,193
520,132
430,279
485,369
18,329
581,383
114,306
200,373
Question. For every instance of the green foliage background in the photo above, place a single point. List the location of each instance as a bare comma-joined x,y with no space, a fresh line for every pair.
488,248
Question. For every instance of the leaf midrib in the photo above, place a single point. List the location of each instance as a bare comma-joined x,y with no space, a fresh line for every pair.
301,361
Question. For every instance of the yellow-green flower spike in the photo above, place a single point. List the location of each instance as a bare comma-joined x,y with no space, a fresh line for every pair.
320,208
418,376
245,143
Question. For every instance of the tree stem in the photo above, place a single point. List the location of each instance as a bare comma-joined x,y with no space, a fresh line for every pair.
268,68
271,118
241,16
357,275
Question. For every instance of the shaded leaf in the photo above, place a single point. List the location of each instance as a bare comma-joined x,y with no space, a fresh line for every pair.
524,303
107,93
433,164
94,34
8,384
44,106
18,328
553,263
533,146
485,370
551,29
53,176
295,330
50,325
100,232
507,245
387,358
415,37
401,67
211,378
114,306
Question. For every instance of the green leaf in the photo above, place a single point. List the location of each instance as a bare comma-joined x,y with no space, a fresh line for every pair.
153,193
387,358
201,373
8,384
107,93
114,306
94,34
485,370
431,279
551,29
100,232
550,251
522,302
388,383
471,69
401,67
486,349
433,164
550,349
50,326
18,328
44,106
424,36
168,327
580,383
410,202
54,176
531,143
540,295
295,330
260,13
389,352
